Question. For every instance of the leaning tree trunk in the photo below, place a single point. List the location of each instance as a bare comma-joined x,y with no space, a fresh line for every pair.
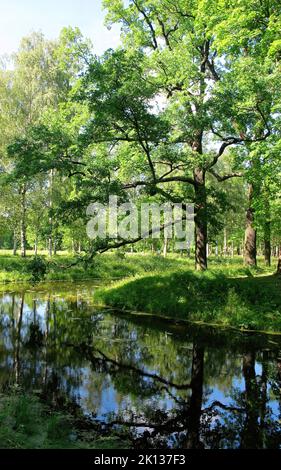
250,247
200,220
23,220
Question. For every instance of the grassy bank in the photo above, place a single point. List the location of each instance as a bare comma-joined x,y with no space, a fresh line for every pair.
25,423
113,265
107,266
228,294
245,302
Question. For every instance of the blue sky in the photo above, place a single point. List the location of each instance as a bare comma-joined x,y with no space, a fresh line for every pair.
20,17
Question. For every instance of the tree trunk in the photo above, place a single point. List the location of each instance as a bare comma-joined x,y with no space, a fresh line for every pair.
36,247
165,247
15,242
267,234
200,220
267,248
250,247
224,242
55,247
50,246
23,220
279,262
50,242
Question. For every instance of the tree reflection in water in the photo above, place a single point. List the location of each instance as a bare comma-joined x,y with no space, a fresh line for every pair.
166,384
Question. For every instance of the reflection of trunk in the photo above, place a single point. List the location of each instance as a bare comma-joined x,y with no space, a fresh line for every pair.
250,438
263,398
278,366
200,220
47,313
18,340
23,220
250,253
34,311
195,404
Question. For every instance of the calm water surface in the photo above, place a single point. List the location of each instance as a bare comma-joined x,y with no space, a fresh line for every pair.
168,385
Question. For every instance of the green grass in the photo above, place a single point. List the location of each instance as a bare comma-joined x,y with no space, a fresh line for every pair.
113,265
211,297
227,294
25,423
107,266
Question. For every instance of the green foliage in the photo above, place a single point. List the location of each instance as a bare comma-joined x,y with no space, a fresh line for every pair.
189,101
38,268
25,423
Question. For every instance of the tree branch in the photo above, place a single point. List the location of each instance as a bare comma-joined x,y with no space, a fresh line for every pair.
224,177
149,24
227,141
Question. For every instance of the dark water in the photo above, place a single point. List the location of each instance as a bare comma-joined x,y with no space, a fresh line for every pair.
167,385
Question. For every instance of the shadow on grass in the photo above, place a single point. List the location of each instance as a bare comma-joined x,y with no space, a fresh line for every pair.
250,303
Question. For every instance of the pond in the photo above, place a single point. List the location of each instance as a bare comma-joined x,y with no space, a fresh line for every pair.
165,383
